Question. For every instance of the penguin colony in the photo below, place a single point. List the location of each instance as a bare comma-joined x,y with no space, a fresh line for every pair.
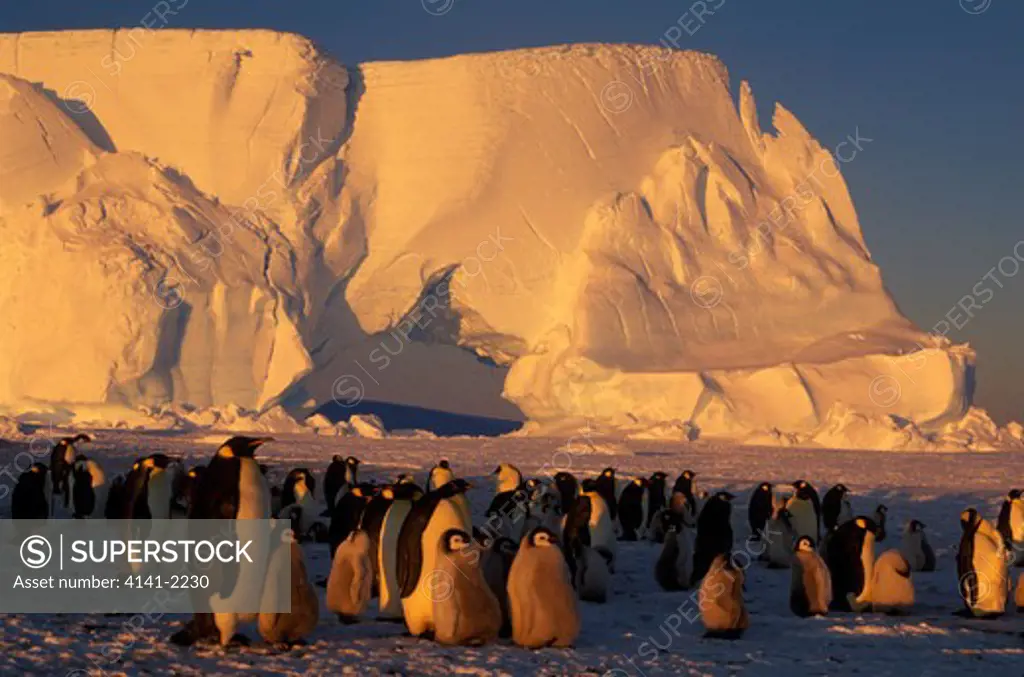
542,547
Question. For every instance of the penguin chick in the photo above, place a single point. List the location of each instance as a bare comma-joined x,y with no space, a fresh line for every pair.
675,564
892,590
351,577
541,597
916,549
721,600
293,627
810,590
466,611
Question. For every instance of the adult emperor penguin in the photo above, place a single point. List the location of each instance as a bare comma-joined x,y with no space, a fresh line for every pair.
351,578
576,529
442,474
804,510
404,494
781,539
507,511
29,502
466,611
150,488
1011,526
88,488
880,517
568,490
916,548
657,488
495,564
810,589
347,515
62,461
300,490
760,509
850,556
674,567
541,597
981,566
721,600
341,473
418,544
606,485
892,590
633,509
601,526
290,628
232,487
372,522
835,507
684,493
714,534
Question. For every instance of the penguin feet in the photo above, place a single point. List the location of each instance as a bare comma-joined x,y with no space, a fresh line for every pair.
237,641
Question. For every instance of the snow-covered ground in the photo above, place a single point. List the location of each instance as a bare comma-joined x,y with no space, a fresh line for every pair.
618,638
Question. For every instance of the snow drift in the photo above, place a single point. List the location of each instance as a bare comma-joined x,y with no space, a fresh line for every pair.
596,232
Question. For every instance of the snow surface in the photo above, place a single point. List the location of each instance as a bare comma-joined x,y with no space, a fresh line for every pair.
933,488
233,218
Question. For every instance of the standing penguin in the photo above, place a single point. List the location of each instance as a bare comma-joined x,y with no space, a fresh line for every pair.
62,461
1018,597
440,475
892,590
466,611
835,507
674,567
347,515
601,524
762,503
372,523
495,564
804,510
341,473
541,598
576,530
850,556
592,577
29,502
721,600
1011,526
714,534
351,577
810,589
782,538
684,493
568,489
291,628
606,486
916,549
300,490
418,544
880,516
88,488
150,490
656,498
633,509
404,494
981,566
507,511
116,499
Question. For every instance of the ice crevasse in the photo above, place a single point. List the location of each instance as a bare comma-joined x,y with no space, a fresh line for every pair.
587,233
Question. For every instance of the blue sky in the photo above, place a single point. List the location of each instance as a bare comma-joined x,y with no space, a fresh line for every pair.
936,87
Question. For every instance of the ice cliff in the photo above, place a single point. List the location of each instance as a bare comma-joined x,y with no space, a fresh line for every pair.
598,233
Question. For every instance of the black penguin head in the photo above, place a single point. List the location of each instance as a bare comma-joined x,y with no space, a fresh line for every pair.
765,487
658,477
608,472
641,482
301,476
688,474
337,458
802,485
456,540
564,477
242,447
443,463
1014,494
969,518
589,485
724,496
542,537
454,488
804,490
804,544
914,526
841,488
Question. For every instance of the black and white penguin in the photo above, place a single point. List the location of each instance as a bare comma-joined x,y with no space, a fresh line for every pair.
684,494
810,589
880,516
117,496
404,494
544,509
657,499
601,525
541,598
916,548
592,576
507,512
981,566
633,509
88,488
495,564
714,534
189,487
29,501
606,486
850,556
62,462
760,509
721,600
373,522
468,612
299,491
805,510
568,490
431,517
297,476
347,514
284,630
1011,525
835,507
892,588
674,568
341,473
781,539
576,532
150,489
440,475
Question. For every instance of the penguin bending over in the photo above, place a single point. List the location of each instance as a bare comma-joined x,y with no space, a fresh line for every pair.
633,509
351,577
835,507
467,613
892,590
916,549
291,628
760,510
674,567
542,601
29,501
810,589
981,566
721,600
1011,526
714,534
851,560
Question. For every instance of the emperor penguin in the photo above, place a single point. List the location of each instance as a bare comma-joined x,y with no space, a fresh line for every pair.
850,556
592,577
1011,526
495,564
781,538
916,549
88,488
657,499
576,529
116,498
288,629
351,577
62,461
541,598
760,509
302,476
835,507
714,534
507,511
466,611
568,490
372,523
543,509
150,489
300,490
601,526
804,510
892,589
810,589
347,515
606,486
189,486
29,501
442,474
341,473
880,516
684,493
231,487
981,566
721,600
431,517
633,509
404,494
674,567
